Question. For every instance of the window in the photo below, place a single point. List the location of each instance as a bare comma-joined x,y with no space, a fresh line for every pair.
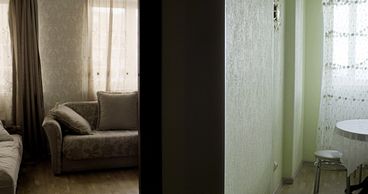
344,90
348,39
114,32
5,63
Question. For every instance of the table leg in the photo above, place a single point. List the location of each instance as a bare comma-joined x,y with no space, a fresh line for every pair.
359,186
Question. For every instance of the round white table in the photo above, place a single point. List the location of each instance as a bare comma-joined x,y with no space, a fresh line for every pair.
351,139
353,129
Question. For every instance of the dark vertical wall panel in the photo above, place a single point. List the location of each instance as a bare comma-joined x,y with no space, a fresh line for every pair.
150,162
193,96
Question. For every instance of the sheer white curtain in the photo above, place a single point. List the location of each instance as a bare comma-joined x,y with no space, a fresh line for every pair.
344,93
113,44
5,63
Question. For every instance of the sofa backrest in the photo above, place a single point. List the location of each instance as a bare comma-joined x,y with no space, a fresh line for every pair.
87,109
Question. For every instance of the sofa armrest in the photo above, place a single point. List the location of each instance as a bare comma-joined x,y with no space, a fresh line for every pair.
54,135
15,129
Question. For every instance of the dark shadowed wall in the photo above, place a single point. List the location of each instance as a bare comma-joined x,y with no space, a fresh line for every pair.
193,96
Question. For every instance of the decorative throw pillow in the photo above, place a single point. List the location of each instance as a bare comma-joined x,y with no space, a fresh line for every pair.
117,110
4,135
74,121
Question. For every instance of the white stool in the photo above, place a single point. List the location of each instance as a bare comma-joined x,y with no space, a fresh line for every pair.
325,157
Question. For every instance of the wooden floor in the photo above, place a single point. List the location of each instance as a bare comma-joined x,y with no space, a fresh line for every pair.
39,179
332,182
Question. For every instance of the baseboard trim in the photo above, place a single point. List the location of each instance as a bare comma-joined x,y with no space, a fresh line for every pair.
278,189
287,180
308,163
290,180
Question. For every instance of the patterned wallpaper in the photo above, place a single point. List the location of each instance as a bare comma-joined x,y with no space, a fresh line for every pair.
61,49
249,96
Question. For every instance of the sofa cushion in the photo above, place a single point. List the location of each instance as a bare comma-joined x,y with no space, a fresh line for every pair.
11,157
76,123
117,110
101,144
86,109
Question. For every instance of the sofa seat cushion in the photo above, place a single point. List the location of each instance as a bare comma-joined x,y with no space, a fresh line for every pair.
10,159
101,144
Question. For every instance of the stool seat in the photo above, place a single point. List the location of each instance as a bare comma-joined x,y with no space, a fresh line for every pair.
328,154
323,158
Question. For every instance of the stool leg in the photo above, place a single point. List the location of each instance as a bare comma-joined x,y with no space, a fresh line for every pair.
347,183
360,173
317,178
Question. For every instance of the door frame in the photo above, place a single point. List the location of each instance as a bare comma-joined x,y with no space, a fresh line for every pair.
150,149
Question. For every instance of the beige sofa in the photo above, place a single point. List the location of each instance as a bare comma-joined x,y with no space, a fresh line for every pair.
102,149
10,160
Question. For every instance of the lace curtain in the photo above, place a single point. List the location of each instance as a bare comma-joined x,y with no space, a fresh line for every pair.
344,93
113,44
5,63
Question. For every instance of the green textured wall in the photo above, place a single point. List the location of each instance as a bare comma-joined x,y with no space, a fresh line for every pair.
299,87
248,97
293,88
278,89
296,83
313,68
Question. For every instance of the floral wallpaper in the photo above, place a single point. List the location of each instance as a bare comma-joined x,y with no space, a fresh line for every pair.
61,35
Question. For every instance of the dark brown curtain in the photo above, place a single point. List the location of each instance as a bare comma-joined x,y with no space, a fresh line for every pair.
28,106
